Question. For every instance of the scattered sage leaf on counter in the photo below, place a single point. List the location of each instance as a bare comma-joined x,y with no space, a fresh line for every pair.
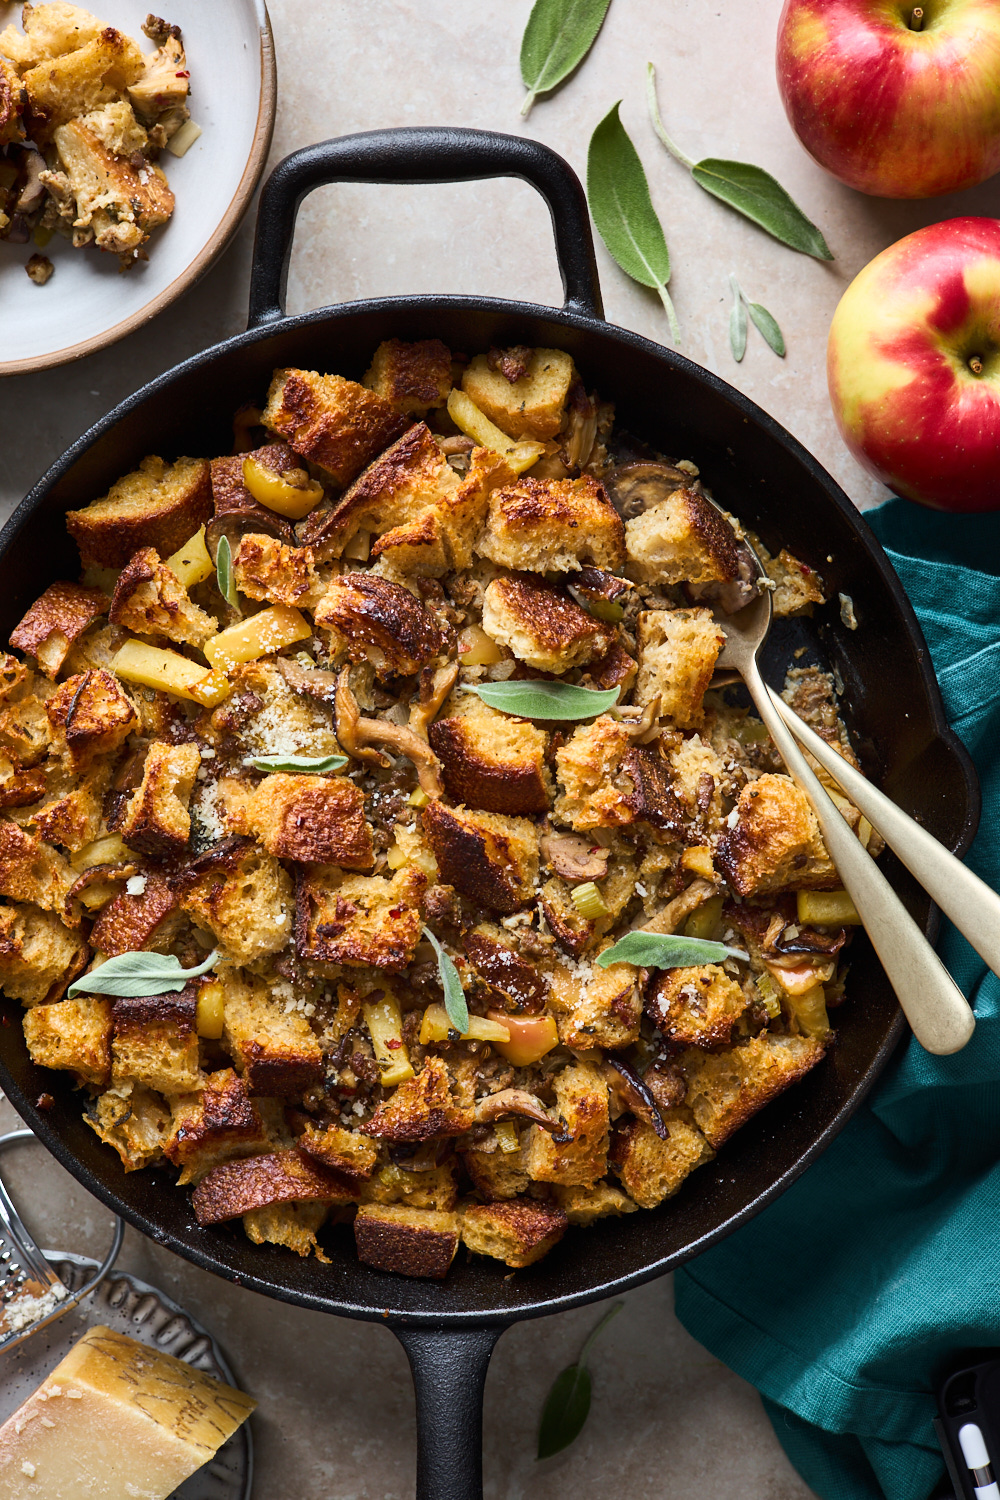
623,211
568,1403
661,950
737,322
135,975
546,700
768,327
750,190
454,995
224,572
312,765
557,38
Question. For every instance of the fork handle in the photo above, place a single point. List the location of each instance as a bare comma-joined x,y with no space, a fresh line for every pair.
968,901
935,1007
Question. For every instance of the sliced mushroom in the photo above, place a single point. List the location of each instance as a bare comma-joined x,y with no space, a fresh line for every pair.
629,1088
33,188
732,594
636,487
310,680
358,736
638,728
575,858
434,689
596,583
681,907
516,1102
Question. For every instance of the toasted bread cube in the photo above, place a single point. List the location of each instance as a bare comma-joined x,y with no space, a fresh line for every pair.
587,768
494,955
266,568
724,1089
217,1123
276,1052
50,30
582,1102
695,1007
345,1151
518,1232
421,1108
319,819
532,406
32,871
698,776
776,844
159,505
155,819
155,1042
409,1241
359,920
64,87
797,586
25,731
401,485
73,815
150,600
163,87
413,378
489,858
332,422
570,928
147,920
490,760
92,714
134,1120
683,539
652,1169
36,950
117,201
11,108
55,620
541,626
498,1175
73,1034
442,538
435,1187
585,1205
20,786
553,526
375,620
678,649
595,1007
239,1187
286,722
246,902
291,1225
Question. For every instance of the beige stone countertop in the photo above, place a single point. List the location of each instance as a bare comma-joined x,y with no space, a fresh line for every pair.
336,1406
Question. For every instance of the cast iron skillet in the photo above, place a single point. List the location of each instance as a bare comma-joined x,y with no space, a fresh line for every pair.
754,467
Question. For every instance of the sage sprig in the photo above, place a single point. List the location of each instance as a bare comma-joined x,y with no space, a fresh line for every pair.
136,975
568,1403
762,320
546,700
750,190
224,572
623,211
309,765
454,995
662,950
557,38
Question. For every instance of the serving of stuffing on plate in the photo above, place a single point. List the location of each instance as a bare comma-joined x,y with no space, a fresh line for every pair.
256,736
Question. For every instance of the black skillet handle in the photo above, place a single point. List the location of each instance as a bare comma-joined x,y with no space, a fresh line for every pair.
427,154
449,1375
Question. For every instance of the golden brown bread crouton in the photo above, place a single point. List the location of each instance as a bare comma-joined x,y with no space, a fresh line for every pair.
375,620
489,858
518,1231
490,760
134,1120
695,1007
652,1169
150,600
72,815
155,1043
433,1187
595,1008
442,537
498,1174
585,1205
776,843
797,586
25,731
359,920
571,930
92,715
31,870
49,31
422,1107
36,950
159,505
413,378
145,920
217,1123
281,722
155,819
697,779
552,526
332,422
238,1187
582,1103
266,568
73,1034
244,897
55,620
587,769
62,88
532,406
164,83
409,1241
116,201
345,1151
20,786
401,484
11,109
541,625
678,649
275,1051
683,539
320,819
724,1089
291,1225
493,954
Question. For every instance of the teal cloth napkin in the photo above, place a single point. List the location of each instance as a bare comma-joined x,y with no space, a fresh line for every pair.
840,1300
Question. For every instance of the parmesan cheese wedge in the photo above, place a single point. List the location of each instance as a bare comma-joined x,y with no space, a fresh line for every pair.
116,1420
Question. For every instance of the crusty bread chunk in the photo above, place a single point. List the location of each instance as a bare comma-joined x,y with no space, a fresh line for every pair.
55,620
159,505
345,1151
584,1205
275,1051
776,843
490,760
266,568
150,600
422,1107
442,538
154,1042
698,773
91,715
314,819
582,1103
244,897
498,1174
116,201
683,539
725,1088
587,769
518,1231
652,1169
553,526
435,1187
272,718
155,820
410,1241
413,378
541,625
50,30
73,814
239,1187
291,1225
72,1034
217,1123
359,920
797,586
330,421
678,649
162,90
134,1120
62,88
31,870
595,1008
11,107
695,1007
36,951
409,478
532,406
148,919
25,731
372,619
489,858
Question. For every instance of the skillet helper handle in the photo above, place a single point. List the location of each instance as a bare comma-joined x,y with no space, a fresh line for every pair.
449,1376
426,154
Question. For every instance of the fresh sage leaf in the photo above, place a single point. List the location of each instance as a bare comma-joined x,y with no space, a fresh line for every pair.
750,190
546,700
557,38
224,572
737,322
138,974
661,950
454,995
768,327
314,765
568,1402
623,211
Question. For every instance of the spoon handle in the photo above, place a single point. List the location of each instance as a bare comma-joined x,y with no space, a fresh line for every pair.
935,1007
961,895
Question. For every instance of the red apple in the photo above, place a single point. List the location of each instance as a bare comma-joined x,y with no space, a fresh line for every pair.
891,110
913,362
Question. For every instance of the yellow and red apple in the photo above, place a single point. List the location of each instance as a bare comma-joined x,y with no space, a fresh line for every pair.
913,362
898,98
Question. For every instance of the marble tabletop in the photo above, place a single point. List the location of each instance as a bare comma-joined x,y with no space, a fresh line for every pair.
336,1406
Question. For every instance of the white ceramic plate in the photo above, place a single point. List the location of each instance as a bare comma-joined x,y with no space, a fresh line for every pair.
88,303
